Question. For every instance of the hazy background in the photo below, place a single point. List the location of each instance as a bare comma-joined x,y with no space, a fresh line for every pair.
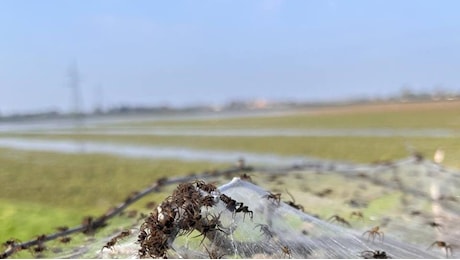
193,52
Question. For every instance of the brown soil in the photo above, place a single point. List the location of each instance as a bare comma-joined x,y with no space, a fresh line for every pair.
386,107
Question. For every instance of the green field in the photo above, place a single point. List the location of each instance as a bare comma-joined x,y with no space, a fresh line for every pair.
431,116
42,190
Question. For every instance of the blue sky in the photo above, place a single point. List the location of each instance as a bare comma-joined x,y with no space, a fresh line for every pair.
189,52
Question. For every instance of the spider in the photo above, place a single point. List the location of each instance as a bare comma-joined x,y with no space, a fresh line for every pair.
373,232
142,253
124,233
87,223
226,199
41,238
110,244
131,196
324,192
435,225
357,214
208,187
442,244
245,210
415,212
340,220
265,229
292,203
362,175
65,240
185,191
150,204
245,177
142,236
131,213
368,254
210,225
418,156
62,228
192,215
208,201
11,243
231,203
286,251
275,197
161,181
39,248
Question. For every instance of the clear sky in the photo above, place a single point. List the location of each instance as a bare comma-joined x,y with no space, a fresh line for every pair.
187,52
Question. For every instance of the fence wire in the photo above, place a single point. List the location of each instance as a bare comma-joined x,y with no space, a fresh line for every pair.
402,209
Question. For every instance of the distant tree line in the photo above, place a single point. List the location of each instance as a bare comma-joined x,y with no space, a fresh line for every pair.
405,95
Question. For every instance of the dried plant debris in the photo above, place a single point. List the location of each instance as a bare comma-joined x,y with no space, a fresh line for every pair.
242,220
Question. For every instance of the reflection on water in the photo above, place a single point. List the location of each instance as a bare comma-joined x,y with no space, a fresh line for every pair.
69,123
154,152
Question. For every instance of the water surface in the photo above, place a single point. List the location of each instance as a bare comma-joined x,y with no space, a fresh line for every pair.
154,152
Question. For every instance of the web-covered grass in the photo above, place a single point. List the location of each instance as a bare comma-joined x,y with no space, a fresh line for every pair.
413,202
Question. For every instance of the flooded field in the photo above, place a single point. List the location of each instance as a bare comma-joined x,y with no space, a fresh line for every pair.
45,125
145,151
348,179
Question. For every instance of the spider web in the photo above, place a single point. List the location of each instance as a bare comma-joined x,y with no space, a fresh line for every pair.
427,193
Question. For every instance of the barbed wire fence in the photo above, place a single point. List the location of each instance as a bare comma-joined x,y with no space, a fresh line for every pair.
91,225
368,172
